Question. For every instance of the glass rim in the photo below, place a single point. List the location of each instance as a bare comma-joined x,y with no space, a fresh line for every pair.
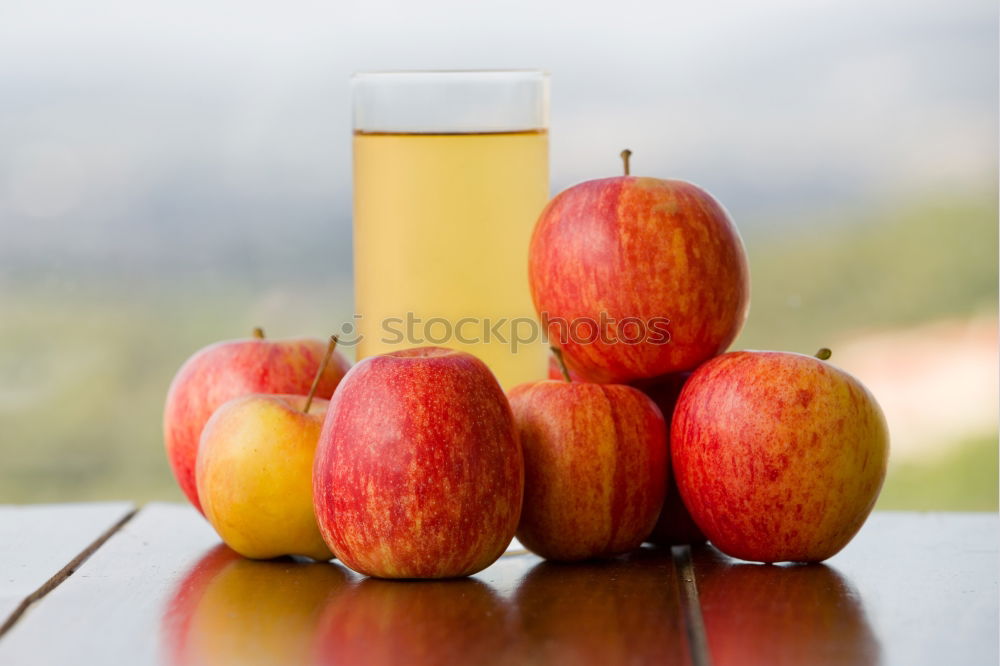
447,72
450,101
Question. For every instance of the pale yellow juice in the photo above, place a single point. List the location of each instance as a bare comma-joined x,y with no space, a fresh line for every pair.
441,230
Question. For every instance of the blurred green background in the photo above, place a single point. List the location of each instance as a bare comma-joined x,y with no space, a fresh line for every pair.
162,189
88,362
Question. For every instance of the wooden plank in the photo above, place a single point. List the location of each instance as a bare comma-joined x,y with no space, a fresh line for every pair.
928,585
162,591
110,611
40,545
909,589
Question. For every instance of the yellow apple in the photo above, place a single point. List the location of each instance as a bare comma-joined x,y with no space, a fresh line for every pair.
254,475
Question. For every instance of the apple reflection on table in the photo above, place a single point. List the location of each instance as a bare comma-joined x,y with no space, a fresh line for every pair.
231,610
228,609
781,614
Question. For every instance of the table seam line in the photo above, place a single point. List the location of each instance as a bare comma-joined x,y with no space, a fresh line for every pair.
694,624
64,573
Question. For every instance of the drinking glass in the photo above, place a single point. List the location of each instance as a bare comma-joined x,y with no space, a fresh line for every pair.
450,175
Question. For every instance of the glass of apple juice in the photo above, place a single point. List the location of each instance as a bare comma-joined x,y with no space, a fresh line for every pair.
451,171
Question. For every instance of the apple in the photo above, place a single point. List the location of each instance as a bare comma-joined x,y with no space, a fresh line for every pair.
415,623
595,467
226,370
778,456
418,470
638,277
254,475
675,525
786,614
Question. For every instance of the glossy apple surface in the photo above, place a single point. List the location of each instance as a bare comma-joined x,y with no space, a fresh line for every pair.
254,475
226,370
778,456
638,248
418,471
595,460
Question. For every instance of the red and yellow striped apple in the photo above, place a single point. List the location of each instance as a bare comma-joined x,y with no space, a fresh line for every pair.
778,456
227,370
595,462
675,525
639,250
418,471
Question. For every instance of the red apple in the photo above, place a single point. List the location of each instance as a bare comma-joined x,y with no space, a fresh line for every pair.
418,470
595,462
656,267
227,370
778,456
675,525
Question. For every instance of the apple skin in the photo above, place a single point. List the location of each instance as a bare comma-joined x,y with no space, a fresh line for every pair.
596,466
778,456
645,248
254,475
675,525
227,370
418,470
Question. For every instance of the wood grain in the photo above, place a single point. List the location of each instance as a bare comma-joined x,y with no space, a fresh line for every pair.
910,589
110,610
40,545
164,591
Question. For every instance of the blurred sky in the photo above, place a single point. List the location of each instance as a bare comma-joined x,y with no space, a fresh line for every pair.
180,134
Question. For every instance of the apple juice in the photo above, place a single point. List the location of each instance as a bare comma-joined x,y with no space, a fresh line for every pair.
442,224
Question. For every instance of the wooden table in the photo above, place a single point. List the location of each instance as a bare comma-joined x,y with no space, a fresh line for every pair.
106,584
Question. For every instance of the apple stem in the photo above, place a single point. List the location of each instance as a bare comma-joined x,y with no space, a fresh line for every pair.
626,154
562,363
824,353
319,373
258,333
